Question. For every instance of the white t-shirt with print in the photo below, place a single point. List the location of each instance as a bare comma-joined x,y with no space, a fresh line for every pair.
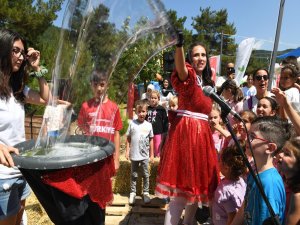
140,135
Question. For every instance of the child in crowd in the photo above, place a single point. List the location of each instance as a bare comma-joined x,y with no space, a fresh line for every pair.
233,96
239,128
157,116
267,106
292,114
249,89
173,103
147,94
230,192
267,136
139,147
100,116
289,165
219,131
288,78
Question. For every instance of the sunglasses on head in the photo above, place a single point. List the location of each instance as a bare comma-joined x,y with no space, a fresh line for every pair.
258,78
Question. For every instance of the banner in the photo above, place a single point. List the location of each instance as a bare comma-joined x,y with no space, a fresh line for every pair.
243,54
214,62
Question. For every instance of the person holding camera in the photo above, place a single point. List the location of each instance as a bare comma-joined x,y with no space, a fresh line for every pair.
230,75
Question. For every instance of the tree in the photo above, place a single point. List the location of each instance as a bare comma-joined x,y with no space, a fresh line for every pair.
29,17
209,26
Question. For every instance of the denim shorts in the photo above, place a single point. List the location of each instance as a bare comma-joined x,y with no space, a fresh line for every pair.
12,191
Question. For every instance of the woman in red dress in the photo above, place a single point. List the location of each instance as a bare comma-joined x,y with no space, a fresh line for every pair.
188,171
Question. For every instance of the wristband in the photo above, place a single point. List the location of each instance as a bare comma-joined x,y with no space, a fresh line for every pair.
41,73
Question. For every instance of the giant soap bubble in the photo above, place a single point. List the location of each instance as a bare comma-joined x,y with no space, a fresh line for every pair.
116,38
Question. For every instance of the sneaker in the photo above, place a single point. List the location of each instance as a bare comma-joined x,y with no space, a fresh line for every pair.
132,198
147,198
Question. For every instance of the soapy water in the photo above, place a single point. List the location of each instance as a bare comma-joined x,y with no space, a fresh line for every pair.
95,35
63,150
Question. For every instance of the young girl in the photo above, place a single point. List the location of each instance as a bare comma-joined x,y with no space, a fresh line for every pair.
157,116
288,78
233,96
173,103
249,89
219,132
229,194
267,106
289,165
247,117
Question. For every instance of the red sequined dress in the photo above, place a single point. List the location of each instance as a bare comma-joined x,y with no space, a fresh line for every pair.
188,166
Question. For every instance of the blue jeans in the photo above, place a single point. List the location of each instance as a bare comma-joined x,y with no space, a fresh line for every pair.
12,191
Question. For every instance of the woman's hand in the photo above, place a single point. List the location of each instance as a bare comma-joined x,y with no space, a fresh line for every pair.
5,157
33,58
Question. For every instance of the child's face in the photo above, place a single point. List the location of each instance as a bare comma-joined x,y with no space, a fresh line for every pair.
173,105
286,79
287,162
154,100
214,117
141,112
166,84
264,108
258,143
99,89
249,81
240,125
226,93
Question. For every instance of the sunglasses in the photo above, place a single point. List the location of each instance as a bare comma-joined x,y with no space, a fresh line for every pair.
258,78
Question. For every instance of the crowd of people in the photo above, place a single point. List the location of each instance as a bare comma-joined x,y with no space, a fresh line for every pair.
200,165
226,186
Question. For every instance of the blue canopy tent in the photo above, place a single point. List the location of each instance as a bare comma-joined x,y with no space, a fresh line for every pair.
295,52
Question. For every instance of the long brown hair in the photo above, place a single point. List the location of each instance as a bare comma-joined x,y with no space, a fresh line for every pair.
11,82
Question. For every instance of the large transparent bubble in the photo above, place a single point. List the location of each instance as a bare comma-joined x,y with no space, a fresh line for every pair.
96,36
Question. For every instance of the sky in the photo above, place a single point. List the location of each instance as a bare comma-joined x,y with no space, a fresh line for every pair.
252,18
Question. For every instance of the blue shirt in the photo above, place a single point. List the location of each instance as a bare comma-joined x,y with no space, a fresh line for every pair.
256,210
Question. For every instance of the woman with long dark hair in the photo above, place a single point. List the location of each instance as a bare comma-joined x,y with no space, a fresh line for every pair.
15,61
188,171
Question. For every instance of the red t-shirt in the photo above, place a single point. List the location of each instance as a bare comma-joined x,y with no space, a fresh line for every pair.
100,122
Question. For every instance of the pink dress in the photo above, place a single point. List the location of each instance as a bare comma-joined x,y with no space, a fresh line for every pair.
188,166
